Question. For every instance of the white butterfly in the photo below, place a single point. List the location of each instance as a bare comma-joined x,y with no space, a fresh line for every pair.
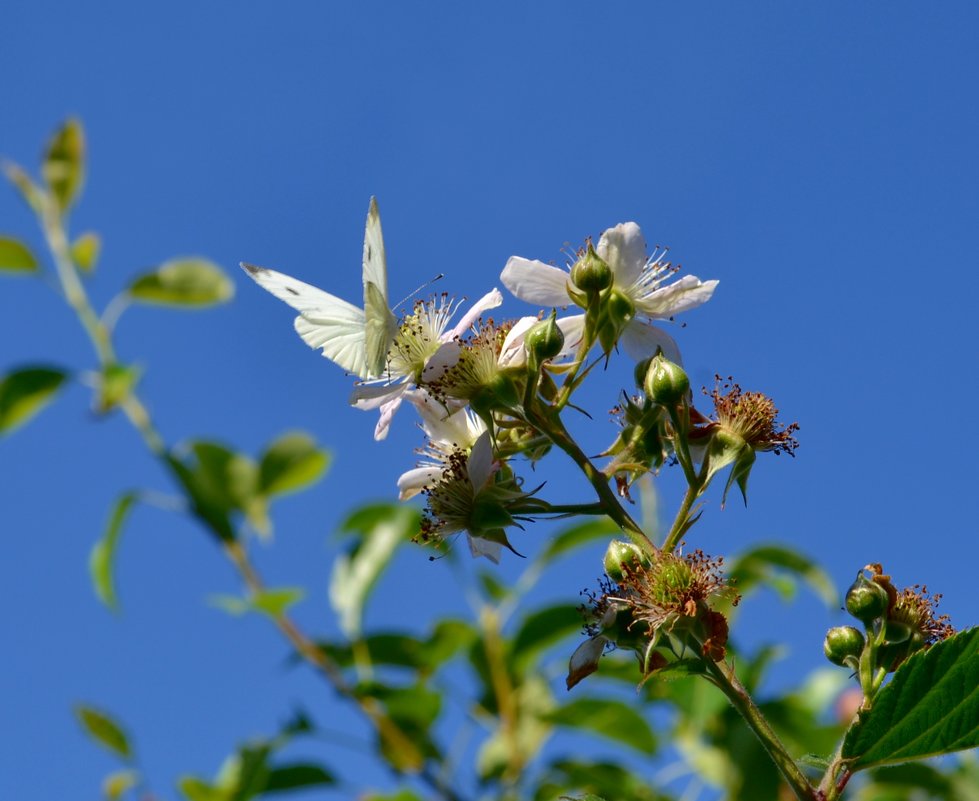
356,339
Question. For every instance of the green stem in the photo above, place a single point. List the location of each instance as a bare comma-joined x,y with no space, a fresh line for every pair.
680,521
724,678
576,509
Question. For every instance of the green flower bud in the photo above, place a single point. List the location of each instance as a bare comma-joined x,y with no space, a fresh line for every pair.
500,393
622,558
666,382
866,600
545,340
620,309
843,645
590,273
639,373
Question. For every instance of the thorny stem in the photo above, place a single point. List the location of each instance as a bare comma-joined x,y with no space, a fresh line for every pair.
138,415
725,679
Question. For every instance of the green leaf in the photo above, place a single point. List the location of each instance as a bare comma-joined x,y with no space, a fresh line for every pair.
104,730
767,564
211,514
32,194
115,383
930,707
117,784
85,251
199,790
575,537
63,169
25,392
290,463
380,529
542,629
16,257
101,561
190,282
296,776
276,602
610,718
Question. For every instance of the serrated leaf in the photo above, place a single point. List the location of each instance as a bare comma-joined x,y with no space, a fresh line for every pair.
190,282
930,706
380,530
101,561
290,463
63,168
295,776
25,392
543,628
769,564
85,251
102,728
610,718
16,257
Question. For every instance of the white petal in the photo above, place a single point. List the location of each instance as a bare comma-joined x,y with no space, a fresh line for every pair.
415,480
624,249
584,660
640,341
373,396
387,415
480,464
480,547
687,293
536,282
512,353
573,328
440,361
490,300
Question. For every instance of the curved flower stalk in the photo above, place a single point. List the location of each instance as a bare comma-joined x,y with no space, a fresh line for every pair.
422,347
636,288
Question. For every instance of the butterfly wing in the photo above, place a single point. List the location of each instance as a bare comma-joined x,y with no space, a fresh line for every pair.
381,324
325,321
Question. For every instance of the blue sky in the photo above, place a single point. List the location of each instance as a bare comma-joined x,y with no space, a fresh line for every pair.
819,161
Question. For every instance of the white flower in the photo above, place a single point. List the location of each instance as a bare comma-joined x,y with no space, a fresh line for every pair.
636,275
421,347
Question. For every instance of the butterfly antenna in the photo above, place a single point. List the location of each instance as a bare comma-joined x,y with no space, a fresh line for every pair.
410,295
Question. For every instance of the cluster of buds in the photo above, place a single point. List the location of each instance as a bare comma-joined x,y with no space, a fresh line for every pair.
896,625
660,606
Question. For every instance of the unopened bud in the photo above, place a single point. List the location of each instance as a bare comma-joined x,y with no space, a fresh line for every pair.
545,339
621,309
666,382
866,600
591,273
843,644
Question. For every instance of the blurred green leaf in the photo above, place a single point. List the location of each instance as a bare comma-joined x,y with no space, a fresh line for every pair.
576,536
494,589
610,718
772,565
296,776
26,391
378,531
413,709
115,383
117,784
290,463
101,727
85,251
32,194
16,257
273,602
566,778
63,168
195,789
543,628
930,707
398,795
101,561
524,736
190,282
228,478
213,515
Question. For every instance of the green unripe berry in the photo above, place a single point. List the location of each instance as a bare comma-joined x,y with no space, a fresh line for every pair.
843,644
591,273
666,382
622,558
866,600
545,340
